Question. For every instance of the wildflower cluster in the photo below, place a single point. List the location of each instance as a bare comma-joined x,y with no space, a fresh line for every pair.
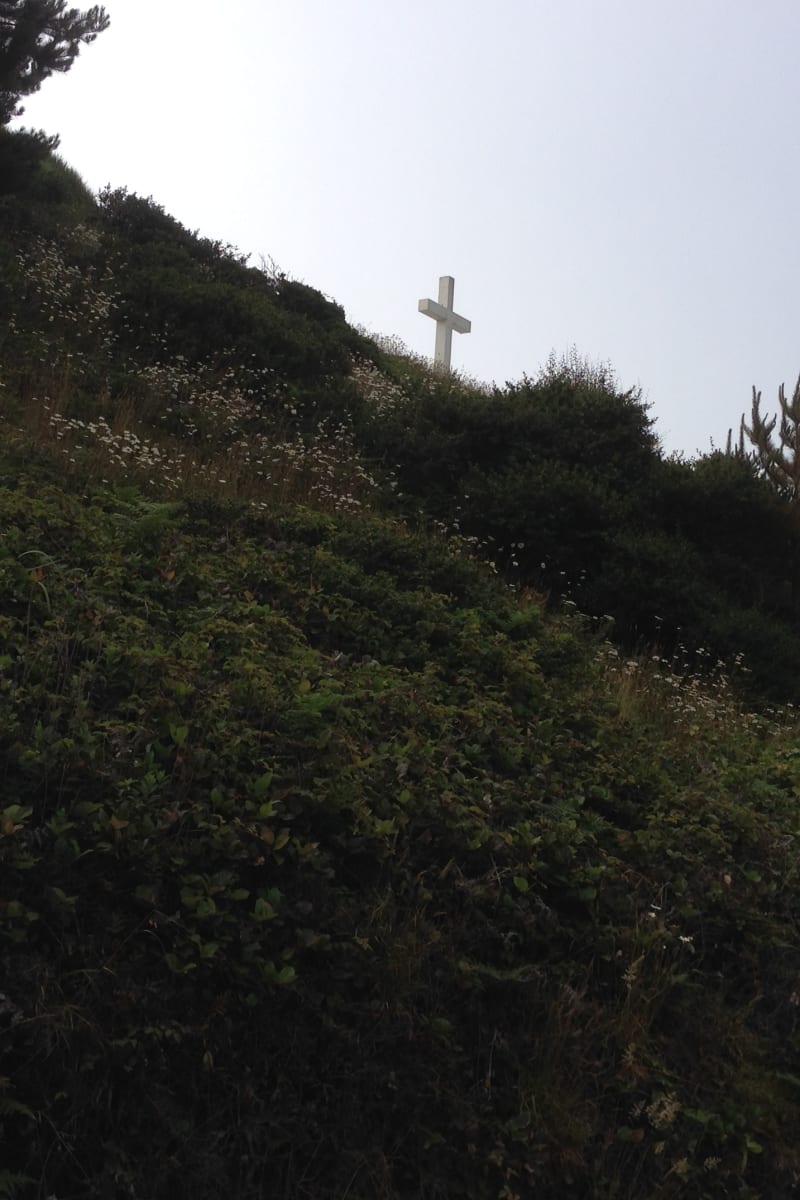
383,394
321,469
66,307
690,693
200,400
130,453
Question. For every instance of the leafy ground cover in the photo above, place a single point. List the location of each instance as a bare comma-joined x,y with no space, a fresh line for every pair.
329,866
332,865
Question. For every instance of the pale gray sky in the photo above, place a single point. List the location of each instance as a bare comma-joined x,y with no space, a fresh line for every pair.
620,175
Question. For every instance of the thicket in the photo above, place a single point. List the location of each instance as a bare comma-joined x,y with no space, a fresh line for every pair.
197,298
333,861
328,866
561,482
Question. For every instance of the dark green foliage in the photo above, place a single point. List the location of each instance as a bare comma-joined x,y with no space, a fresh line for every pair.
300,298
706,562
562,485
299,853
738,523
40,194
197,298
140,222
331,865
552,467
534,463
38,37
21,152
779,462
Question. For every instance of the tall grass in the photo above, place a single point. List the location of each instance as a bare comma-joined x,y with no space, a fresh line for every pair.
688,700
168,426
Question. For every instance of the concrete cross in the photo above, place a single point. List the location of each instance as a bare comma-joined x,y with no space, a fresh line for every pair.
446,320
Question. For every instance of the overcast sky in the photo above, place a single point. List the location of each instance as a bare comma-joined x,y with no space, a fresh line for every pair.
621,175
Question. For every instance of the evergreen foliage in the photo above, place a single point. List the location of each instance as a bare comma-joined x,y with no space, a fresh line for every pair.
38,38
779,460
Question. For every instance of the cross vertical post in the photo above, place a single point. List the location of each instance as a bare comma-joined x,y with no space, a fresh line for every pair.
446,320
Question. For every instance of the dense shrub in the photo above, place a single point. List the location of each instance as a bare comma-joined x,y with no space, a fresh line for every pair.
190,296
562,485
316,878
331,864
39,193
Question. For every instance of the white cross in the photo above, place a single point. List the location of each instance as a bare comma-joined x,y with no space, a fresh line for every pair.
446,320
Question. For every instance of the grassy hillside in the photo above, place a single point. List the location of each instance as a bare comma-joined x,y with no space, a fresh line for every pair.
336,861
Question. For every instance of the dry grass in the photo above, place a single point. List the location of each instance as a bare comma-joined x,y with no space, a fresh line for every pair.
680,697
321,470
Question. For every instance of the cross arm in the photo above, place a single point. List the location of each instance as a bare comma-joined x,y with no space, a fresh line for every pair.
439,313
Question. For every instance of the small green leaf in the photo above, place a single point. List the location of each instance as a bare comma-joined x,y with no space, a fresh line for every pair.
263,910
176,966
521,883
262,785
700,1115
11,818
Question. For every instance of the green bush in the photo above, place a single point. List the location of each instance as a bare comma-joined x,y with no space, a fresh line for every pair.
186,295
300,850
40,194
561,484
331,864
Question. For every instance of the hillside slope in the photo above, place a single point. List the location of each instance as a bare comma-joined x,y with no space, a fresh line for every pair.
333,866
